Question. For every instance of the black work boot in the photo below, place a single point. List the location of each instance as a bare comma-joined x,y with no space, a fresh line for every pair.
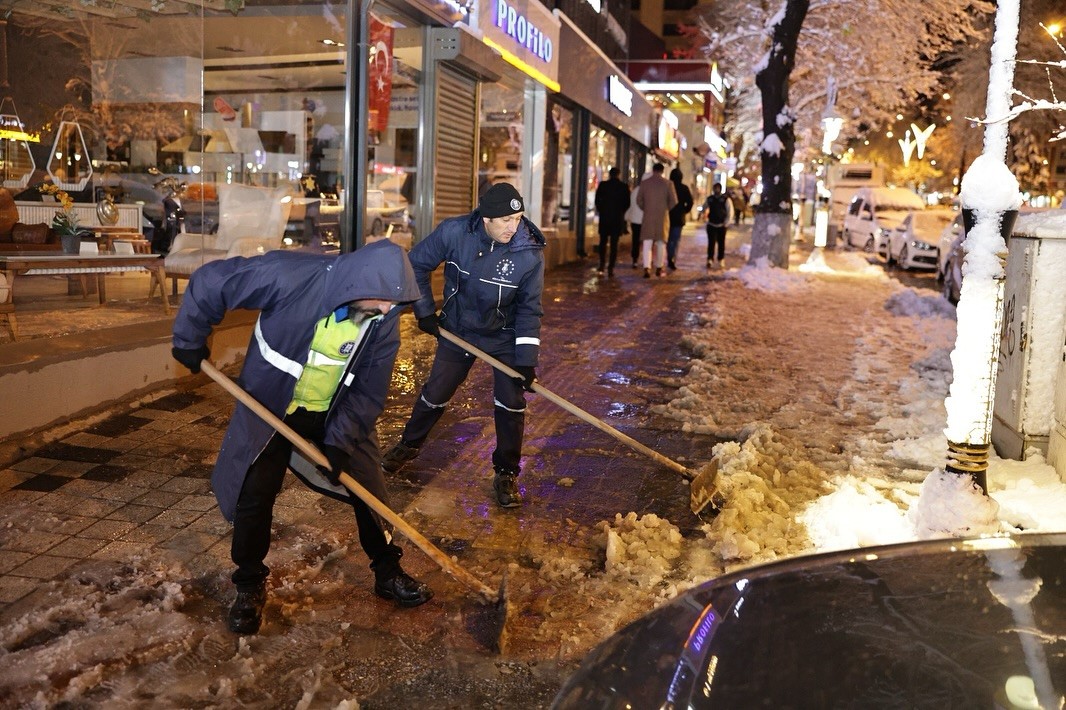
505,483
397,456
403,589
246,614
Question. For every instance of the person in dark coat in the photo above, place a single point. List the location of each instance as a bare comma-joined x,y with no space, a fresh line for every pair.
678,217
612,201
717,210
493,278
321,358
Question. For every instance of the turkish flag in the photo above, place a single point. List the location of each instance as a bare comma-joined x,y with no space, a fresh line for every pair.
379,74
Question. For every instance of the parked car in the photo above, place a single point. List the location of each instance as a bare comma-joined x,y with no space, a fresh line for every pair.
380,213
915,243
949,262
950,623
844,180
873,213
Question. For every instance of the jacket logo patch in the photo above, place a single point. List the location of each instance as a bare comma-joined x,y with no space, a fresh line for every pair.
347,348
504,269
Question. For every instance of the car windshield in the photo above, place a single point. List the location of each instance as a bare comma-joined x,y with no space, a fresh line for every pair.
932,221
891,218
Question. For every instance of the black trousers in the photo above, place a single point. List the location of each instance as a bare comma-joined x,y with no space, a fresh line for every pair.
715,237
255,505
606,257
450,368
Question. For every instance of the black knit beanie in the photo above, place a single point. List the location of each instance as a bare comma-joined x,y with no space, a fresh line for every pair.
501,200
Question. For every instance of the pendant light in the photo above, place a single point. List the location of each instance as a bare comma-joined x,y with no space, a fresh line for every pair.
68,164
16,160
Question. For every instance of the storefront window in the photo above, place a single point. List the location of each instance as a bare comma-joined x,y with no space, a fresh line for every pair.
395,78
603,155
500,139
193,134
559,165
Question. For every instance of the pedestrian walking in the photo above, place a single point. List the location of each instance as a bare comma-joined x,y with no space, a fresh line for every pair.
321,358
678,217
635,215
656,197
493,279
612,201
740,202
718,210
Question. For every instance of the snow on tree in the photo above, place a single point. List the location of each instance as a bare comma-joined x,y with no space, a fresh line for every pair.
1038,108
880,54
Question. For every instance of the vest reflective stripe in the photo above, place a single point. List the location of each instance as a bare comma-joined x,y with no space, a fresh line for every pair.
273,357
321,359
332,346
527,341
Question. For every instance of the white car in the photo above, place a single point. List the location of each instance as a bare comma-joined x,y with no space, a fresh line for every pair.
872,215
949,262
914,244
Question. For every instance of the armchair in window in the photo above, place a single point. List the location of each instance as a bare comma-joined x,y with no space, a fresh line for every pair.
251,221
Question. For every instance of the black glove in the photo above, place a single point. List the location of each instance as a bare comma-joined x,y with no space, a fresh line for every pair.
528,376
429,324
338,461
191,357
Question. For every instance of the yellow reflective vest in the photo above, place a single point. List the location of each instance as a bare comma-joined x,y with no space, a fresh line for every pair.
333,343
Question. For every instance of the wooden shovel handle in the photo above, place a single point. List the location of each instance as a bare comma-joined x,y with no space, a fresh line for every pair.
570,407
311,452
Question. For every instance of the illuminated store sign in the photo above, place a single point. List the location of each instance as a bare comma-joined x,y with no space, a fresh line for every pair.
619,95
526,35
668,140
521,30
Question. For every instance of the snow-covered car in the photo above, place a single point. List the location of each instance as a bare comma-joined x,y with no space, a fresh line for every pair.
873,213
949,261
962,623
914,244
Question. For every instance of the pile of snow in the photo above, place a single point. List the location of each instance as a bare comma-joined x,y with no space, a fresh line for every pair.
787,495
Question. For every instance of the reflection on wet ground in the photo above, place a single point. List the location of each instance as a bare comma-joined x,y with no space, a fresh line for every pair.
610,345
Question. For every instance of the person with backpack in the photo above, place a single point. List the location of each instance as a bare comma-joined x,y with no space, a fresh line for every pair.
718,210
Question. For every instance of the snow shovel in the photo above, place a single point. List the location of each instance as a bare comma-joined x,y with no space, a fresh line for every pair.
311,452
703,491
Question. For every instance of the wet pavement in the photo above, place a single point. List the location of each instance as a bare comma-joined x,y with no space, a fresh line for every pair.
130,492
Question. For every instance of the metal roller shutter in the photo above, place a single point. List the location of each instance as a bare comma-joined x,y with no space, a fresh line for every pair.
455,156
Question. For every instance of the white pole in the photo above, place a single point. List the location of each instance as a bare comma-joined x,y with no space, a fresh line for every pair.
989,189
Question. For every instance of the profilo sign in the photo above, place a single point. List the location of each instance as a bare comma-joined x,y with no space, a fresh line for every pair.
525,33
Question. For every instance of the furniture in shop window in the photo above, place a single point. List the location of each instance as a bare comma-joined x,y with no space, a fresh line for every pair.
251,221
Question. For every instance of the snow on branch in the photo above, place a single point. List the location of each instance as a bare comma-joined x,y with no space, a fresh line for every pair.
1029,103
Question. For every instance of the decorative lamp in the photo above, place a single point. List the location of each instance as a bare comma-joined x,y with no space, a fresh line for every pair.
16,160
69,164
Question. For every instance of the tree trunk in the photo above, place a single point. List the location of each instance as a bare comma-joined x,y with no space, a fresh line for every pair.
768,239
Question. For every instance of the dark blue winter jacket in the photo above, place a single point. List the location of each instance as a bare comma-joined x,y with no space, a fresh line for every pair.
293,291
491,290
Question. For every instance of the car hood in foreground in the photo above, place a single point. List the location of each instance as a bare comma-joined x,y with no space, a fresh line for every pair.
938,624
